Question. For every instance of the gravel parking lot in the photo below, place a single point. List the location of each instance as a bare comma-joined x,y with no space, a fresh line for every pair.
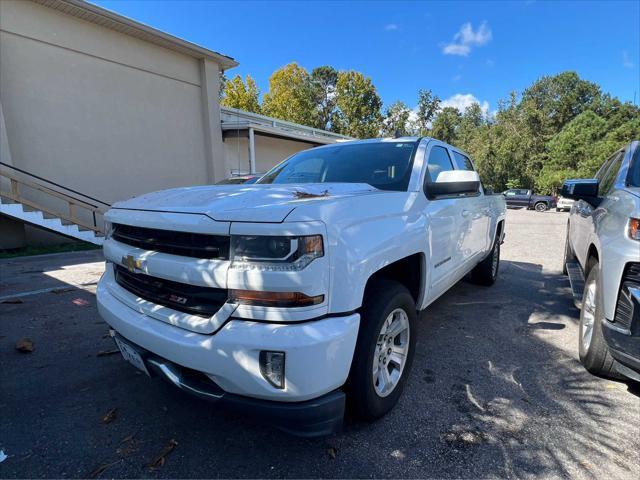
496,389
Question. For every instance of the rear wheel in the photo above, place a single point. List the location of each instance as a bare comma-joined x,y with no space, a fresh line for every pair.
384,349
486,272
541,207
592,347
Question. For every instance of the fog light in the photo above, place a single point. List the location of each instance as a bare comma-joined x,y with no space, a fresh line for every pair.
272,367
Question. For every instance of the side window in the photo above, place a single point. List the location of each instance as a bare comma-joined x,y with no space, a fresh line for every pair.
510,193
439,161
464,163
609,177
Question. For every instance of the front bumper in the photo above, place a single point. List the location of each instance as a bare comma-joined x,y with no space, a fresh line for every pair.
624,348
318,353
311,418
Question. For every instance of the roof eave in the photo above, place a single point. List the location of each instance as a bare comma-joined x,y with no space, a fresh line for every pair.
106,18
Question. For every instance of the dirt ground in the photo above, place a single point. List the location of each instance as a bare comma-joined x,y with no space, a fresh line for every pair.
496,389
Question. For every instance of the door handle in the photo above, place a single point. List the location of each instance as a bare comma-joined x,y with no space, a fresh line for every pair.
466,213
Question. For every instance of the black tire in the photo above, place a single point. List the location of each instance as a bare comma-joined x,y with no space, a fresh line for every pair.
595,355
541,207
559,209
486,272
568,256
382,297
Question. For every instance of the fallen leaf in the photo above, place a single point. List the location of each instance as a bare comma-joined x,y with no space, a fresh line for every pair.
25,345
301,194
332,452
110,416
160,459
100,470
12,300
104,353
58,291
80,302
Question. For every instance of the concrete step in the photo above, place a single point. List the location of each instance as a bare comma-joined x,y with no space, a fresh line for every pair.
48,222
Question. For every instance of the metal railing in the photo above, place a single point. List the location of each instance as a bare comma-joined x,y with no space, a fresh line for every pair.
233,115
19,178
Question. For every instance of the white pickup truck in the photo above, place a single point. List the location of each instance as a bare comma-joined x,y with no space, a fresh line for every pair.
298,295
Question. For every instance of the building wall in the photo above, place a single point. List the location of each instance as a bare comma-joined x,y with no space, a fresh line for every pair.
102,112
269,152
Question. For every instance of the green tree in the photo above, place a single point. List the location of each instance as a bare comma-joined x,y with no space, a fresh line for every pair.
359,106
238,94
396,120
428,106
290,96
323,83
446,124
561,98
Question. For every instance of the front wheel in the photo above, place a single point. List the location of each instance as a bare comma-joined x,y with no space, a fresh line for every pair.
384,349
592,347
541,207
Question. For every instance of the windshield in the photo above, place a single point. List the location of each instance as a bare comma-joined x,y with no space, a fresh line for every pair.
384,165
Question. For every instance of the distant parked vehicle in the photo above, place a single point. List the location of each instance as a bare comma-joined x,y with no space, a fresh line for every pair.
564,204
521,197
602,259
240,179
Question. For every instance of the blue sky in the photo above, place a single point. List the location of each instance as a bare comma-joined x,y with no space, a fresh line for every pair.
460,50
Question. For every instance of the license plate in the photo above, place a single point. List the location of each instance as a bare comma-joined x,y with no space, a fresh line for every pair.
130,355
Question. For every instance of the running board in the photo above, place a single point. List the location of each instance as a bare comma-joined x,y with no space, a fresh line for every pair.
576,279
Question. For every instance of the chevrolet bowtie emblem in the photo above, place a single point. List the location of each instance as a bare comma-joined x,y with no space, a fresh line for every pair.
133,264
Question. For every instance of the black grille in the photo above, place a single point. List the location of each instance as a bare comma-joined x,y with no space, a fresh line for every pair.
625,306
197,245
203,301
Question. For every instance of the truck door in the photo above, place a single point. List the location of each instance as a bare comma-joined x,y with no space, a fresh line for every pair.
475,213
445,225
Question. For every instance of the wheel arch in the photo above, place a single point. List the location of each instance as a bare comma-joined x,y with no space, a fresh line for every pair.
593,256
410,271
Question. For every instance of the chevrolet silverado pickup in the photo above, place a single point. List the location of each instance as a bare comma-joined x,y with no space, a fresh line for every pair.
602,259
298,295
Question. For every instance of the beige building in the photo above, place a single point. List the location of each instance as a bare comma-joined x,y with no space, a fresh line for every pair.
112,108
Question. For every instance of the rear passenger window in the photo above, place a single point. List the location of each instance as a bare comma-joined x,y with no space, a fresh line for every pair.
464,163
609,176
439,161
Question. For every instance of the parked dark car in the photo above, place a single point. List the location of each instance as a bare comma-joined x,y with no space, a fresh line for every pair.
521,197
602,259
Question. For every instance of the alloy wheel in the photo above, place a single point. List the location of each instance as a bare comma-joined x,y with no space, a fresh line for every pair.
391,352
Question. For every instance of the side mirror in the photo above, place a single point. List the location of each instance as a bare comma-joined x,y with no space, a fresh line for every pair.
454,182
581,189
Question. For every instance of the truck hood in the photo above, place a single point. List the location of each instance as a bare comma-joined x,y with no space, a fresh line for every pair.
244,203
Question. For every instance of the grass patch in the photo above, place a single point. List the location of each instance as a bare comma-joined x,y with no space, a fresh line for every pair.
65,247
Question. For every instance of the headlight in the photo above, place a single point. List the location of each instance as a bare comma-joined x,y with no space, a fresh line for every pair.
269,253
633,229
108,230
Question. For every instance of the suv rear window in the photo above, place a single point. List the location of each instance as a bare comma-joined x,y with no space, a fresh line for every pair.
634,169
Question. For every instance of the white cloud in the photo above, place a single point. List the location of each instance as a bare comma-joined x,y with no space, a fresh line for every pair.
626,60
461,101
467,38
391,27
